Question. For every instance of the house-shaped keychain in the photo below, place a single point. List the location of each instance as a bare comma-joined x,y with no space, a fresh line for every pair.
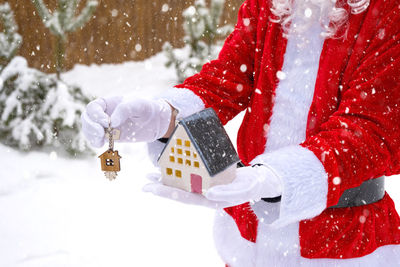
110,161
199,154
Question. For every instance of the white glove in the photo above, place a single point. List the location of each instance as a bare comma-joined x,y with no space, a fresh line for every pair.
96,118
137,119
141,120
176,194
250,184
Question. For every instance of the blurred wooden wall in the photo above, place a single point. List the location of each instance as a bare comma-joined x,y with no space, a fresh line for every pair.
121,30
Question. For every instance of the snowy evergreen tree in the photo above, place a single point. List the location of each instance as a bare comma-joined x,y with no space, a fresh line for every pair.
10,40
63,21
37,109
202,32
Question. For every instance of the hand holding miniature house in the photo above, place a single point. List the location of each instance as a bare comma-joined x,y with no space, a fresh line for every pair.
199,154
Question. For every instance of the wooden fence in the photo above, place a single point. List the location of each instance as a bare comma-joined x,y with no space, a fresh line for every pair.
121,30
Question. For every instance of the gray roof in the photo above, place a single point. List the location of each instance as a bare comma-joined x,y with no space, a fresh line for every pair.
210,140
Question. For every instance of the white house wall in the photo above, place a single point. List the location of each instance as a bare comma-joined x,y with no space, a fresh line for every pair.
224,177
164,162
184,183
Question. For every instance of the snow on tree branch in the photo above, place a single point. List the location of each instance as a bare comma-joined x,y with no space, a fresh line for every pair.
37,109
63,20
84,17
10,40
202,30
42,10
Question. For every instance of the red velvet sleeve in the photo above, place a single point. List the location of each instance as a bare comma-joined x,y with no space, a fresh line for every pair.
361,140
226,83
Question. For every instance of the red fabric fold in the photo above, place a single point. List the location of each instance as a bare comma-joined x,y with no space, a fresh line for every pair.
350,232
246,221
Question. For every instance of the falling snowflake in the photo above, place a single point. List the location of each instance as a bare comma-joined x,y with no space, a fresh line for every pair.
308,12
165,8
281,75
138,47
114,13
337,181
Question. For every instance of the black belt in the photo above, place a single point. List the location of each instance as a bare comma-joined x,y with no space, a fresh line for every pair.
368,192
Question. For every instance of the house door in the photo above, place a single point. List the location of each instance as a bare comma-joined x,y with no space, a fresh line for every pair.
196,182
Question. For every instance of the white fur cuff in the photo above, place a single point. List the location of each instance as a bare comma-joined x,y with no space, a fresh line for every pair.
305,183
184,100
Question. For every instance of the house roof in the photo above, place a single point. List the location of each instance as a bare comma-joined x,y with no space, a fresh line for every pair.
211,141
108,152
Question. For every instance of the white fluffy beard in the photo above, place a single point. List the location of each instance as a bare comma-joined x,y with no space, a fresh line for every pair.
307,11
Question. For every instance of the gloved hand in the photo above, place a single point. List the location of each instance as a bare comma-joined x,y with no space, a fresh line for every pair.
176,194
142,120
96,118
137,119
250,184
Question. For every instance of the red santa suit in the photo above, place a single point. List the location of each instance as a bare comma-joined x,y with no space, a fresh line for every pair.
325,115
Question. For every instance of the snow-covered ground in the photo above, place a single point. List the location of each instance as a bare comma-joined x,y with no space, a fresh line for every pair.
56,211
60,212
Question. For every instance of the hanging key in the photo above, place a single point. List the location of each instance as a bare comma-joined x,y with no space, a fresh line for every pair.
110,160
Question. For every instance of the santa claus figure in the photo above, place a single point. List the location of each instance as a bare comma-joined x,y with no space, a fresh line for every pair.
320,83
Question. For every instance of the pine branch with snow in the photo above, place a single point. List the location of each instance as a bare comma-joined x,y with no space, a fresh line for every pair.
64,20
37,110
173,61
10,40
84,17
202,32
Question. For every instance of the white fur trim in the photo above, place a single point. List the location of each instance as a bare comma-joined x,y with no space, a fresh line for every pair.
275,245
304,177
184,100
305,183
231,246
295,91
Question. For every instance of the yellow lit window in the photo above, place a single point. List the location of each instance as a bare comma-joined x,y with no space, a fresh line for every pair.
169,171
179,142
187,143
194,155
179,151
172,158
188,162
172,149
178,173
180,160
197,164
187,152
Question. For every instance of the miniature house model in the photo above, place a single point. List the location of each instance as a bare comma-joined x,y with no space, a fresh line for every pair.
110,161
199,154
